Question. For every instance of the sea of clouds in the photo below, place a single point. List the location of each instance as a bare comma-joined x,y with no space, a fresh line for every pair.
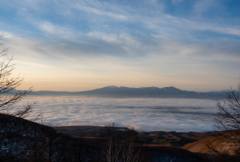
144,114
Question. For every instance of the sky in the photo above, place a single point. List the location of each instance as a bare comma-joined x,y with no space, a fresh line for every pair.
78,45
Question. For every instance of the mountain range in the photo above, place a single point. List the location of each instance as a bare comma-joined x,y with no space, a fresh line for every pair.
146,92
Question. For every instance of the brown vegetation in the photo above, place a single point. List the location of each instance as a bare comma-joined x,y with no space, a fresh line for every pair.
218,142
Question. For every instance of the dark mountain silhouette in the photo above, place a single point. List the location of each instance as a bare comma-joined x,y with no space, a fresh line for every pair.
151,92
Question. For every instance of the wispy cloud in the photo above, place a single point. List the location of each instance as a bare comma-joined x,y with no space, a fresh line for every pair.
101,12
57,31
144,38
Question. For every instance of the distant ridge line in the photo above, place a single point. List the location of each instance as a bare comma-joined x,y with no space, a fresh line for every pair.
146,92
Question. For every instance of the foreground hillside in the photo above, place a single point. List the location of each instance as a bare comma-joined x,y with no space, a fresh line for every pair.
154,137
219,144
23,140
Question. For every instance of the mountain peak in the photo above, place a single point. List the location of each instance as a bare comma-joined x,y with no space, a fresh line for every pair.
112,86
171,87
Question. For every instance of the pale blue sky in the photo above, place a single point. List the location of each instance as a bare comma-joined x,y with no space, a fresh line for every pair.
79,45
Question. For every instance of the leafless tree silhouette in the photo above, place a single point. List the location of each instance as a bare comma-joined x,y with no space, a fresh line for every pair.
227,123
120,145
8,84
9,115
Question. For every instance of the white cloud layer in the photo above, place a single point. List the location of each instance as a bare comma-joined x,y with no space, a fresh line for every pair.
143,114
